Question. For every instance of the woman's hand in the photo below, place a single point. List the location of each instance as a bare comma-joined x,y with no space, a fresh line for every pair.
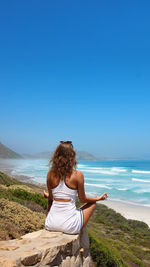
102,197
46,195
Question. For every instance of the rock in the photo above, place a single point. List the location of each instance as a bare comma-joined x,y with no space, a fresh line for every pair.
44,248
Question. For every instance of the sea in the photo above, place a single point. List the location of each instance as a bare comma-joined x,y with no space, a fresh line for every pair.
122,180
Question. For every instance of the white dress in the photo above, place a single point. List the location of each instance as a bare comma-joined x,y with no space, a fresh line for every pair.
64,216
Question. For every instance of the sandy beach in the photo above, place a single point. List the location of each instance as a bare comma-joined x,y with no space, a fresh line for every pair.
129,211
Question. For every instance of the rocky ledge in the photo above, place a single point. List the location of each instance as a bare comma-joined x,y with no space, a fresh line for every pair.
44,248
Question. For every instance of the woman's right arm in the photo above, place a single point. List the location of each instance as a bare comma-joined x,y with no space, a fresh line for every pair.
81,191
50,196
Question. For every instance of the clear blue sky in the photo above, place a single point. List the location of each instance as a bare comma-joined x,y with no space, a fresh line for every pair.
76,70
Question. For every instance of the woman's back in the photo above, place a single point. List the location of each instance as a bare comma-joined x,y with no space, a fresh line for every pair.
70,180
63,215
63,191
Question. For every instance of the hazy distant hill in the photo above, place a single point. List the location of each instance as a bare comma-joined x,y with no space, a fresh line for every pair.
81,155
41,155
5,152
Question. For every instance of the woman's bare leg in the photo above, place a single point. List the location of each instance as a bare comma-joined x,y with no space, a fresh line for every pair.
88,209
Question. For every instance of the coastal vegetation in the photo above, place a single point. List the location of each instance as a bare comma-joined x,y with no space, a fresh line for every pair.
127,240
114,240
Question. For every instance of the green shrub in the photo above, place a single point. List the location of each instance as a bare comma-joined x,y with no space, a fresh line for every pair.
24,195
4,193
103,255
18,220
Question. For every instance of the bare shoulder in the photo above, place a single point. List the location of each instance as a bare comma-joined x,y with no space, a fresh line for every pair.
79,175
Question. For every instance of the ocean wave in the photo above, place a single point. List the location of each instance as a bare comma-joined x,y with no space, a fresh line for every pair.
122,189
138,203
94,168
97,179
142,190
140,180
109,171
99,185
81,166
138,171
102,171
15,172
115,169
91,194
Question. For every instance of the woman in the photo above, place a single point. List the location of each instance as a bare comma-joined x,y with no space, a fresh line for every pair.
64,184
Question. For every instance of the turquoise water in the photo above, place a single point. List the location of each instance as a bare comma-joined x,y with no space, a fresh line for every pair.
128,181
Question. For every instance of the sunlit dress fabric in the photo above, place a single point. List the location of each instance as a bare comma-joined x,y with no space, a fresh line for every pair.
64,216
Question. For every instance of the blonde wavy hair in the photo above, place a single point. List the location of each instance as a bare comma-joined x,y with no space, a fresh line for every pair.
63,160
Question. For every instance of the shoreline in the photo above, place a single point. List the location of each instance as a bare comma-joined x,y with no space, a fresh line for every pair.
20,178
128,210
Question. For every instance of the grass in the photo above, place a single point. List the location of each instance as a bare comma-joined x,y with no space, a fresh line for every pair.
111,232
103,254
22,194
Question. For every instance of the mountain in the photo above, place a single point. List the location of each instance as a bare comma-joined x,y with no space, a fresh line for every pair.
6,153
81,155
40,155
